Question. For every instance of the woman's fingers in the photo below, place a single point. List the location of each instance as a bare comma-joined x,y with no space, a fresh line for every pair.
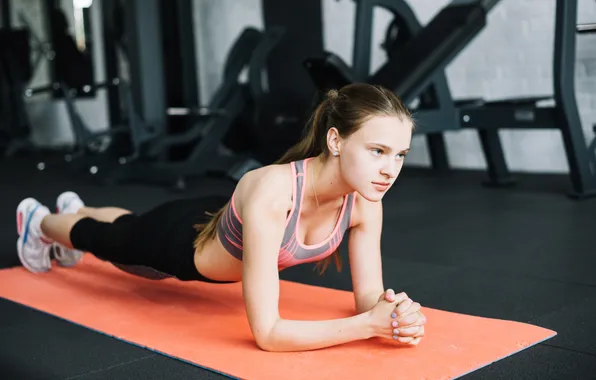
411,335
416,319
402,339
414,342
414,331
412,309
403,306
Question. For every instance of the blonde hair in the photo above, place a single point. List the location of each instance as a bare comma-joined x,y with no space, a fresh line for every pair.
346,110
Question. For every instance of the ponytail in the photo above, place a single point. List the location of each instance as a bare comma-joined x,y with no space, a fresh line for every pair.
311,143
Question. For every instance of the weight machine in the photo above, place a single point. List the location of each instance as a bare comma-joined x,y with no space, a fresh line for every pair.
149,161
428,51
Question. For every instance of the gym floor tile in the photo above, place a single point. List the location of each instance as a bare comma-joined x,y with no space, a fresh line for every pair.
575,324
41,346
396,273
565,265
157,367
539,363
493,295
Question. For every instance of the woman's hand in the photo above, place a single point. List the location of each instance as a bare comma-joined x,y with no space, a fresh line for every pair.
380,316
407,319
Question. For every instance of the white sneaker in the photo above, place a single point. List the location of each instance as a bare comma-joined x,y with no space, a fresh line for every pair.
67,203
32,247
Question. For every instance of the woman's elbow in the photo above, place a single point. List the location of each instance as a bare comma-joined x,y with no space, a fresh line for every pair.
262,337
262,344
265,343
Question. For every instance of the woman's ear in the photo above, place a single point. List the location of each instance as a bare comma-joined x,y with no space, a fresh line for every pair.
333,141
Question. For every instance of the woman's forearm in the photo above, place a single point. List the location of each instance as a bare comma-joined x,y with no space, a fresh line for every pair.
293,335
367,302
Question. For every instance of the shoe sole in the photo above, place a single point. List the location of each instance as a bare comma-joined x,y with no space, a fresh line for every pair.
21,227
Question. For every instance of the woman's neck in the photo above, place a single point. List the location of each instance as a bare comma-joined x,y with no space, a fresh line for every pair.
326,183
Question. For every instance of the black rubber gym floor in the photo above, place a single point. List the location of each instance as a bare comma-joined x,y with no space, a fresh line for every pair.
526,254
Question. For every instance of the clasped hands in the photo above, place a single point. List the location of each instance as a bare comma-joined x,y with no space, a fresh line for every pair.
397,317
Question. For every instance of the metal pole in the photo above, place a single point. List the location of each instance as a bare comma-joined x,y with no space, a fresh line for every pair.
143,26
583,180
5,9
362,39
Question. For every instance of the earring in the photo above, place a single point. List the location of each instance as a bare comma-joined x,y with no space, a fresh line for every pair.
335,153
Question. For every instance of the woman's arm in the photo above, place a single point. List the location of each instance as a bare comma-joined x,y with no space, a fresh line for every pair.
364,249
367,272
264,213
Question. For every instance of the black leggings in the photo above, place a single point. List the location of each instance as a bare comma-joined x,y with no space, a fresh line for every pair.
157,244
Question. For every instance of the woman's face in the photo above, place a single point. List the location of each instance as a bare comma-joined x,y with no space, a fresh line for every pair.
371,158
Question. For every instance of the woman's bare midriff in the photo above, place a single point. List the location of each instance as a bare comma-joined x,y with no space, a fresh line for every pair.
215,263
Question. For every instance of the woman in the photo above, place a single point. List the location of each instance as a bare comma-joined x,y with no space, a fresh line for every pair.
295,211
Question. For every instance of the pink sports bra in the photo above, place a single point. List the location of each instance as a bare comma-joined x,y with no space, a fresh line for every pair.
292,251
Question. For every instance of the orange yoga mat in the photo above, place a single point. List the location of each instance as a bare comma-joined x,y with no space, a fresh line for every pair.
205,325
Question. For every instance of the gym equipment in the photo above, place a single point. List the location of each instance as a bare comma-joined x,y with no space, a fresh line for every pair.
284,97
40,49
112,20
586,28
73,62
180,68
5,9
21,53
590,29
137,317
428,53
529,113
274,124
435,108
150,163
90,148
15,72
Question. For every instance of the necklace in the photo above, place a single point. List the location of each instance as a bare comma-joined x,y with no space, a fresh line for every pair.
312,184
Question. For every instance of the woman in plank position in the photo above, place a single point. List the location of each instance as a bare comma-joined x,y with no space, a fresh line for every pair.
292,212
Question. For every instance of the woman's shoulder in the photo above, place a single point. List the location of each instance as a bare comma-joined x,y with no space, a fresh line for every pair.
270,176
269,186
